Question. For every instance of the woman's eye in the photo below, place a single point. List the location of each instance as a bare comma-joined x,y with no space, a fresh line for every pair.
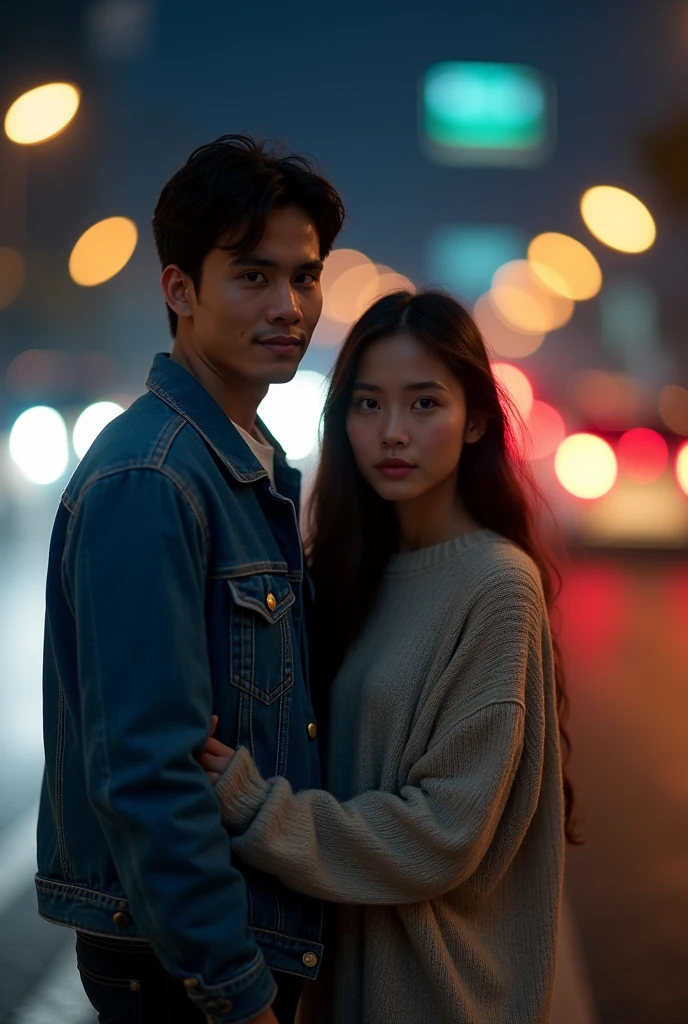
424,403
367,403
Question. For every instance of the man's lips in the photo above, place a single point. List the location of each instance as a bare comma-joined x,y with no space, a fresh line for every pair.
282,343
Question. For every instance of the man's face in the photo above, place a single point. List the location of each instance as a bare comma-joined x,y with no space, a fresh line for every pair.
253,316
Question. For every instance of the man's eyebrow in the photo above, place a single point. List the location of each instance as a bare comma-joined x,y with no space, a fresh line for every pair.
252,259
422,385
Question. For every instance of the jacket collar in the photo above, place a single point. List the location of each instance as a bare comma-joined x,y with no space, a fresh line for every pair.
182,392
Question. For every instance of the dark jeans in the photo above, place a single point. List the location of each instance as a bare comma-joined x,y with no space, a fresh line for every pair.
126,984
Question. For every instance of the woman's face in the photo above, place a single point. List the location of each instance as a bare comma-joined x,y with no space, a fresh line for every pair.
408,421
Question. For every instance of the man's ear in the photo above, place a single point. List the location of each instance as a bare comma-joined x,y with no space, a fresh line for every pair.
176,287
475,428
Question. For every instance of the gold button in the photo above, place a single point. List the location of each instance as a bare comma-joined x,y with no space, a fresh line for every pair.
312,730
271,602
121,919
190,982
309,959
134,986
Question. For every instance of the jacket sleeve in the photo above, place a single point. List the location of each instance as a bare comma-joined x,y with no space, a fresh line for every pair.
134,572
431,835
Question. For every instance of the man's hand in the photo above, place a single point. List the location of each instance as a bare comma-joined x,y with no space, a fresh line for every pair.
266,1017
215,759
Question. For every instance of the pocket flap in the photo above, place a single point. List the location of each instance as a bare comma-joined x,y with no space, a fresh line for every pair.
264,593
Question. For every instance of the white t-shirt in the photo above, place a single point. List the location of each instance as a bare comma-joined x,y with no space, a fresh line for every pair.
263,451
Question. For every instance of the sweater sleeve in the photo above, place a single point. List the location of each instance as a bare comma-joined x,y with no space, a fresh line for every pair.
381,847
430,836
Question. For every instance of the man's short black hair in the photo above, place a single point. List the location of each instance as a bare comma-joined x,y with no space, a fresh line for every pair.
229,188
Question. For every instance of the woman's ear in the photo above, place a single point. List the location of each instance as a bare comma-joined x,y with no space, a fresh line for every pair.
475,428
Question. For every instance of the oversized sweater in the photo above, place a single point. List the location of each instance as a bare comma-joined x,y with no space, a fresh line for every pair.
440,841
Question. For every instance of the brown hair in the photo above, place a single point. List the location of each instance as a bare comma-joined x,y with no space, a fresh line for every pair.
352,531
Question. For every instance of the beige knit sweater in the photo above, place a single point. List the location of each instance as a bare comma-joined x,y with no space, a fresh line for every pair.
441,841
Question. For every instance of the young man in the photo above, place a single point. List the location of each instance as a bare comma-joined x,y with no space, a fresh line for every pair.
174,593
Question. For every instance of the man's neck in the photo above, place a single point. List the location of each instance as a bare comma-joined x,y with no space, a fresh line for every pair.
239,399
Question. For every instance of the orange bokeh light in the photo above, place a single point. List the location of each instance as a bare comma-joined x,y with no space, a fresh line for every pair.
673,408
522,300
585,466
682,467
517,386
499,337
642,455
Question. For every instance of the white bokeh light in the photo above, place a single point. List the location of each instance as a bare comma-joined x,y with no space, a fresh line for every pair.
39,445
292,413
92,420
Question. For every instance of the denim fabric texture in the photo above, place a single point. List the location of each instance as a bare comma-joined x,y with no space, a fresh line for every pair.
175,591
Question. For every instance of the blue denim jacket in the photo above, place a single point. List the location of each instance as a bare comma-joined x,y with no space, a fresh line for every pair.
174,592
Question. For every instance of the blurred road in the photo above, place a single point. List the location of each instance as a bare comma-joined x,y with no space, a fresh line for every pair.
625,625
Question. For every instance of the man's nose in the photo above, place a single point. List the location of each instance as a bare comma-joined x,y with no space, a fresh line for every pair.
286,307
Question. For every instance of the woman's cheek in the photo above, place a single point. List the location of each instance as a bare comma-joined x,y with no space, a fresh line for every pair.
440,445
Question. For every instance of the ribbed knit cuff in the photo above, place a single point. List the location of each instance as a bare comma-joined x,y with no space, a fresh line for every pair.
241,790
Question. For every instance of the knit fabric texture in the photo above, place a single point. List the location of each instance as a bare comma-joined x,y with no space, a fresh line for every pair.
440,842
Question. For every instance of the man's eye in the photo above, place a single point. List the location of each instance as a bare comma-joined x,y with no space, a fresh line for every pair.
306,279
252,276
424,403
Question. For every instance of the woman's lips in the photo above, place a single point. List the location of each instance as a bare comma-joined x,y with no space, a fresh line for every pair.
395,469
395,472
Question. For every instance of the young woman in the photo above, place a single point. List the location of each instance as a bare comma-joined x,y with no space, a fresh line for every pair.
440,838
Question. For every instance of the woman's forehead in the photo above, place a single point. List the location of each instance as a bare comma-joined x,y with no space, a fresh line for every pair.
399,360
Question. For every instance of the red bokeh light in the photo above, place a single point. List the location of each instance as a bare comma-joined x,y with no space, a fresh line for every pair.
642,455
546,429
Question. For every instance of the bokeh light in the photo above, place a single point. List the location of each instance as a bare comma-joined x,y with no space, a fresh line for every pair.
39,445
525,303
387,281
486,113
499,337
12,276
611,401
346,273
90,423
673,408
681,467
546,430
102,251
464,257
642,455
565,266
292,412
618,218
37,372
517,386
585,466
41,113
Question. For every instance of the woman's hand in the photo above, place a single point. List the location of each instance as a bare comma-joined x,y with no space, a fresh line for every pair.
216,756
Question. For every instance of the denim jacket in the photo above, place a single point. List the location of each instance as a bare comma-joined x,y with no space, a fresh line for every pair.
174,591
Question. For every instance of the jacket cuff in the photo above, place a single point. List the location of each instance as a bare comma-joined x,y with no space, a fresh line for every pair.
238,1000
242,791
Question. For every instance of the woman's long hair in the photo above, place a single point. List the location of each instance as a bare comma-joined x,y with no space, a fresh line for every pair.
351,531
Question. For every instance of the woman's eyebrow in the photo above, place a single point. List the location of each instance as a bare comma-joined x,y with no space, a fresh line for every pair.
421,385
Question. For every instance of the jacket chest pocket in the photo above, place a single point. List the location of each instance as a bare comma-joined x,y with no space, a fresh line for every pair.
262,656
